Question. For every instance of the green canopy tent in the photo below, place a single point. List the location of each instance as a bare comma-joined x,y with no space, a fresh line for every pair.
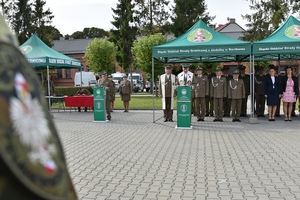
201,44
282,44
40,56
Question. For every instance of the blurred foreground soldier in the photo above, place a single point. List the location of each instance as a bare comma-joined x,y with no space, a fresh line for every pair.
112,94
218,92
208,100
246,79
125,92
259,79
227,101
236,92
201,86
82,92
32,162
167,92
108,86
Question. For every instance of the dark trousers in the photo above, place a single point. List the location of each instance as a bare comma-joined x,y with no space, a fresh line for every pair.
79,109
218,105
260,102
227,106
236,105
108,107
277,113
209,106
200,107
244,106
168,112
193,110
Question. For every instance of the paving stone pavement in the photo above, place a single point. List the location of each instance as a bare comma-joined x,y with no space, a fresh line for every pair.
131,157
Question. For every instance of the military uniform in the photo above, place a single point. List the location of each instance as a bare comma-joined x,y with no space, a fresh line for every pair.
236,92
208,101
108,86
201,85
167,90
32,161
246,79
192,70
227,101
218,92
259,94
125,90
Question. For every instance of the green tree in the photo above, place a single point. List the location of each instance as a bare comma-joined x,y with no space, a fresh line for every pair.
27,17
142,51
152,16
267,17
187,13
100,55
90,33
125,32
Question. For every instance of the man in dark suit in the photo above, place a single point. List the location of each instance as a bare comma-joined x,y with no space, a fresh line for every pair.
246,78
259,79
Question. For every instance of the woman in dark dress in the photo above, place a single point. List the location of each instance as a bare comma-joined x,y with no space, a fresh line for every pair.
272,92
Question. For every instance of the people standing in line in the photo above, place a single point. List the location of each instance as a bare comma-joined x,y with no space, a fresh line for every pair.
125,90
192,70
208,101
246,78
259,79
236,92
272,92
290,91
201,85
108,86
218,92
167,91
82,92
227,101
112,94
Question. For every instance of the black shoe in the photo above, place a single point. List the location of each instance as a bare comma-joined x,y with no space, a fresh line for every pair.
220,120
234,120
206,115
202,120
109,118
238,120
215,120
198,120
171,120
166,120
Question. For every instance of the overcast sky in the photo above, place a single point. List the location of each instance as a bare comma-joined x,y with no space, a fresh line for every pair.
75,15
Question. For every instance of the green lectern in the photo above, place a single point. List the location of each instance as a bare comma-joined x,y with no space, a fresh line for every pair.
184,107
99,104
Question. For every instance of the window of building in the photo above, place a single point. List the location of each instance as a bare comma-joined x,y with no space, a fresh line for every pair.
68,73
59,73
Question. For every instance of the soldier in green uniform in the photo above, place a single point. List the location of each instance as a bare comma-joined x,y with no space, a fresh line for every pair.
208,101
218,92
32,161
246,78
112,94
108,86
227,101
192,70
125,90
201,86
236,92
259,80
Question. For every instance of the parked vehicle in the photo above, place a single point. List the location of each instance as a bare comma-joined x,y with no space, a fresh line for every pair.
117,78
138,81
87,79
